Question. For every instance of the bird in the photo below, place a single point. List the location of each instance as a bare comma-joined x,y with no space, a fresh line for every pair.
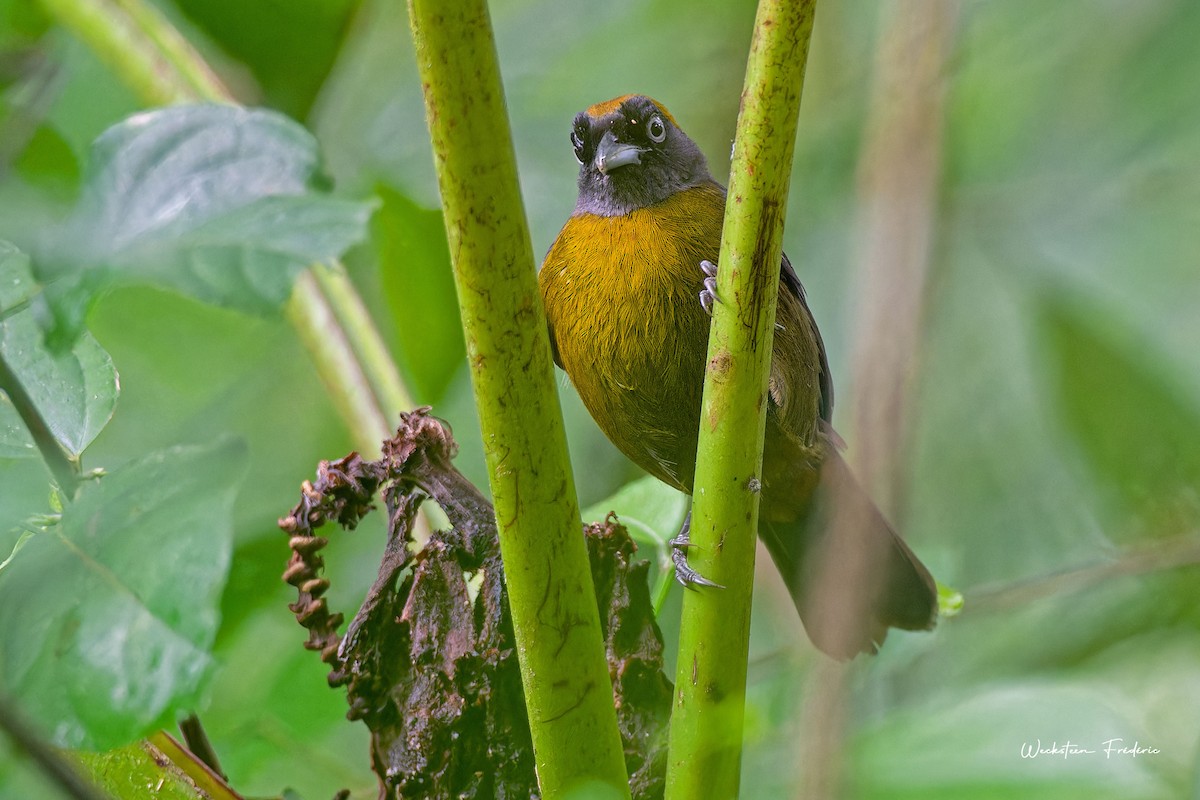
628,286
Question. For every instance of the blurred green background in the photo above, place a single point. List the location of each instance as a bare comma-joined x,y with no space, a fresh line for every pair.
1053,454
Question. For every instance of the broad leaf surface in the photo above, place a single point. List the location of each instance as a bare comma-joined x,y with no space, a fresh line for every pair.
218,202
647,507
75,391
1136,427
106,621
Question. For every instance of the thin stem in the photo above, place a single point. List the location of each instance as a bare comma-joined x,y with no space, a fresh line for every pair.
706,725
662,590
555,618
898,177
186,64
365,340
140,45
316,324
1155,556
208,782
198,743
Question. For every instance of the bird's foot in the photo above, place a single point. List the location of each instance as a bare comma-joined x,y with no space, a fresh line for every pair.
687,576
708,295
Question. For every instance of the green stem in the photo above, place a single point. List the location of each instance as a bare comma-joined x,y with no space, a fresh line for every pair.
662,590
187,66
365,340
142,48
316,325
555,618
706,724
149,55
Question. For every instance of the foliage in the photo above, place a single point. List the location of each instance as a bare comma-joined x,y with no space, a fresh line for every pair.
76,389
213,201
1051,468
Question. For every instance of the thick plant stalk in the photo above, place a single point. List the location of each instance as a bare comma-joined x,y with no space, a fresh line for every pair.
898,177
159,65
706,725
556,624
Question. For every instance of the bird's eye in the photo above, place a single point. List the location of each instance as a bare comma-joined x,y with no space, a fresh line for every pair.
655,129
577,143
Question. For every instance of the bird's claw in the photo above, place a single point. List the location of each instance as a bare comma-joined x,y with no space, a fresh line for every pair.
708,295
687,577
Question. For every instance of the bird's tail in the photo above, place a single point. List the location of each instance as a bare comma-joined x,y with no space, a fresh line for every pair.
849,574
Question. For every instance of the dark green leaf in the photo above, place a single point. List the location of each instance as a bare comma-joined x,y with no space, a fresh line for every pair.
213,201
75,391
106,621
21,22
48,162
414,268
1137,428
290,54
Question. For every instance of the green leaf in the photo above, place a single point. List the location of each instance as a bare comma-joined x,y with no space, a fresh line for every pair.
414,268
976,745
26,497
106,621
1138,430
289,54
75,391
49,163
15,441
214,201
158,768
137,772
17,285
651,510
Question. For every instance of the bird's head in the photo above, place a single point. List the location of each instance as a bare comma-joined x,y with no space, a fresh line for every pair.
631,155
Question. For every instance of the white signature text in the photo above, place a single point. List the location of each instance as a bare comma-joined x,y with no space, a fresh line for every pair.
1110,748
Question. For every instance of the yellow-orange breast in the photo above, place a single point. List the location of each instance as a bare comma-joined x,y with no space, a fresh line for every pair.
621,297
622,301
